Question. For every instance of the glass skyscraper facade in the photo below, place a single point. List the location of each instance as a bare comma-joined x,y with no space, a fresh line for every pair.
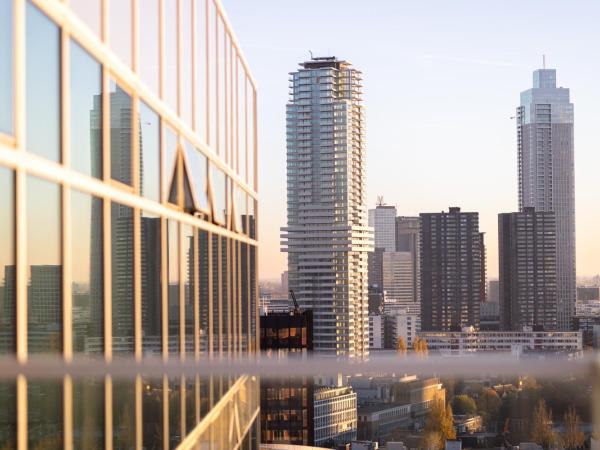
547,174
128,198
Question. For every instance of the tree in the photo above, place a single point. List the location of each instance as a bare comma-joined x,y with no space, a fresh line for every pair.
573,437
541,426
463,404
439,426
488,405
420,346
401,346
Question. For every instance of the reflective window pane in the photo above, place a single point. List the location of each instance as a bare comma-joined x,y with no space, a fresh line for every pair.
88,413
120,29
151,284
197,165
44,265
8,415
173,272
89,11
201,68
216,331
251,217
176,425
186,61
251,136
170,64
87,273
212,75
123,415
6,67
122,277
189,287
43,85
225,295
120,134
244,294
45,414
240,210
170,165
149,68
152,425
219,190
86,112
221,85
149,153
7,262
203,263
253,302
243,125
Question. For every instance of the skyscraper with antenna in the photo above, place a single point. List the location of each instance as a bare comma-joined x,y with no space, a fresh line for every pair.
546,173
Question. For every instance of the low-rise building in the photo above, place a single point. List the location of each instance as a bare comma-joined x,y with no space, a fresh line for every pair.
335,415
406,404
467,423
470,341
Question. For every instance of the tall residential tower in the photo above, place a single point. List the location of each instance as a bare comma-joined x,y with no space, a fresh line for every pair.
327,237
546,173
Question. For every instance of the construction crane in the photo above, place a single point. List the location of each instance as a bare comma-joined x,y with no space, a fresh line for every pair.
296,307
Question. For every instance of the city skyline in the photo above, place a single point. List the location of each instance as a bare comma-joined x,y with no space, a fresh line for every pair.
441,81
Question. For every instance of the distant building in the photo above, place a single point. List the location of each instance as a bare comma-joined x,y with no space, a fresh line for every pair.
587,320
401,322
585,293
493,291
327,238
409,401
450,245
376,331
398,276
284,282
335,415
489,314
407,240
547,176
471,341
383,220
375,269
527,255
467,423
286,404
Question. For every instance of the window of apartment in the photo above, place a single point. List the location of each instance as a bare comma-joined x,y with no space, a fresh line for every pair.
7,260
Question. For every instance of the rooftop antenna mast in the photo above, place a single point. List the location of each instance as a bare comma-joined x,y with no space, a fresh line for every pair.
544,62
380,201
311,55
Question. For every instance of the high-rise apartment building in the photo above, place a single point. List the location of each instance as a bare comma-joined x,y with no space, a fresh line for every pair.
451,268
546,173
327,237
128,198
383,221
407,240
527,264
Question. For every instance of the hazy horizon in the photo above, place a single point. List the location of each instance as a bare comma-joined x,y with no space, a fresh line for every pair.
441,83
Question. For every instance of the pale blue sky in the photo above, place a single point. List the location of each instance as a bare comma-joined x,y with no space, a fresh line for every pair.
441,81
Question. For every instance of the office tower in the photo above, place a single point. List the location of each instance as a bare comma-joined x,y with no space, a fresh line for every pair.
128,225
527,258
327,237
587,293
335,415
407,240
450,270
375,270
383,220
398,276
546,173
